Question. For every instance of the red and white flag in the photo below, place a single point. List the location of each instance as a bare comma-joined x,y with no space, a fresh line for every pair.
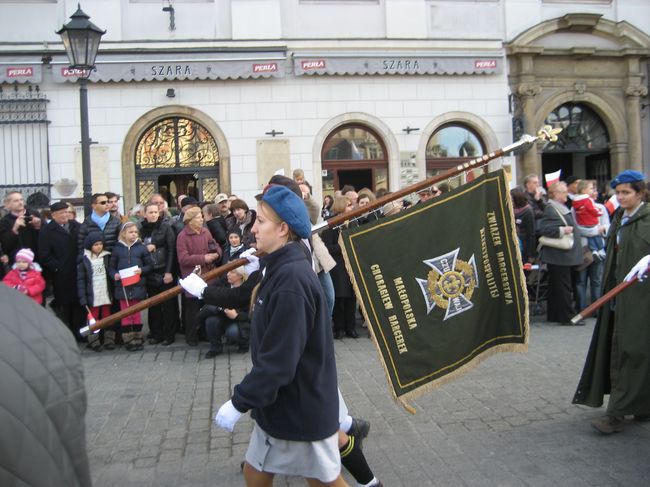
129,277
552,177
611,204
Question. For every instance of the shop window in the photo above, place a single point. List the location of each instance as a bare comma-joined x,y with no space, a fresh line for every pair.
451,145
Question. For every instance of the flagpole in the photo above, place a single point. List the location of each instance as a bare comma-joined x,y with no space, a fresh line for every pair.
547,133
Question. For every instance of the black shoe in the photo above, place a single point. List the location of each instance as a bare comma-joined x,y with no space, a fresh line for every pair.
351,334
154,341
192,343
138,347
212,353
338,335
242,349
166,343
109,346
580,323
359,429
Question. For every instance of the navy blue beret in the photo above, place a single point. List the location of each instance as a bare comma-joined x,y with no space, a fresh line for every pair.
290,208
627,176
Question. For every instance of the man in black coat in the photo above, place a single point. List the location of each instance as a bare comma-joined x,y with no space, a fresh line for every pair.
100,220
57,253
19,227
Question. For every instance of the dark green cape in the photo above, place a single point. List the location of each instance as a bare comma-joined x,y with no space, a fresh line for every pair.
618,361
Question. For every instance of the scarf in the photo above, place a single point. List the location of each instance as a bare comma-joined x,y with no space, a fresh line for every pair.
101,221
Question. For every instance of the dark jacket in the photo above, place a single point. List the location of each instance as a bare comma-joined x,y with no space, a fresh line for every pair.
162,236
111,232
43,399
525,221
292,386
57,254
537,206
340,277
232,297
85,279
217,228
27,237
247,236
618,361
550,227
124,257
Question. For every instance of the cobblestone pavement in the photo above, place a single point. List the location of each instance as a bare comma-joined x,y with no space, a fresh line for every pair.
509,422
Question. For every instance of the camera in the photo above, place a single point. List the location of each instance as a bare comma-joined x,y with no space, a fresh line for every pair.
219,310
28,218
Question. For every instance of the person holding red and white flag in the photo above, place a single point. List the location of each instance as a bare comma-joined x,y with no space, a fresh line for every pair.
130,260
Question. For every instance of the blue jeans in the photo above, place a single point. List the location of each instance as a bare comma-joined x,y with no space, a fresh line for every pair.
328,286
218,326
595,275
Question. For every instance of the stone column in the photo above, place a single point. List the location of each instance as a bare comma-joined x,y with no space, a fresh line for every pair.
527,92
633,94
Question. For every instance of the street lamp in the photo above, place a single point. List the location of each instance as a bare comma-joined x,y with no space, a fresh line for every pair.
81,41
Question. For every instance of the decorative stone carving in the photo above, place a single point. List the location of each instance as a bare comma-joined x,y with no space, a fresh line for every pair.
636,90
529,89
580,88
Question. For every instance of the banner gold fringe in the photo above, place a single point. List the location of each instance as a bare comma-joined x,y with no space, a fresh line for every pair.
405,398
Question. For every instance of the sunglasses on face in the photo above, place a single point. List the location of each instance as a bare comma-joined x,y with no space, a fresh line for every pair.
102,202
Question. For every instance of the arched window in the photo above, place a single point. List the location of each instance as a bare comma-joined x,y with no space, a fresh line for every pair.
354,154
582,129
176,156
450,145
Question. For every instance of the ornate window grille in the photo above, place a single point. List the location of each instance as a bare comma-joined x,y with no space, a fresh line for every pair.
24,156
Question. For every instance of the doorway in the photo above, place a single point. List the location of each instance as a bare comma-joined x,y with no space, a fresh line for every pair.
170,186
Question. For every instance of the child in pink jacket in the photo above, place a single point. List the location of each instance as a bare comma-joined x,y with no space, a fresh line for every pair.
25,276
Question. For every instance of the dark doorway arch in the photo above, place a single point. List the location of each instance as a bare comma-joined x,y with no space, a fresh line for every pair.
582,148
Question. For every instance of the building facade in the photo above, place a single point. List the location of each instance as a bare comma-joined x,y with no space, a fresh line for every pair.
206,96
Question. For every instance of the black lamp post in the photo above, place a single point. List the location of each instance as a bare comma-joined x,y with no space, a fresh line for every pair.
81,41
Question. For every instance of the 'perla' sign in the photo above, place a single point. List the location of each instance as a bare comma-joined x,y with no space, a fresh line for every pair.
171,70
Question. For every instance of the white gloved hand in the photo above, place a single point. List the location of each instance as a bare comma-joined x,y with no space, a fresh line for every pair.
253,261
639,270
227,416
194,285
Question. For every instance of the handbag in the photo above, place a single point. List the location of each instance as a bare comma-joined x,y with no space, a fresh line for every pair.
565,242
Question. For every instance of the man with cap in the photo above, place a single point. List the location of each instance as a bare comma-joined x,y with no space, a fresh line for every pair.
572,188
57,254
618,361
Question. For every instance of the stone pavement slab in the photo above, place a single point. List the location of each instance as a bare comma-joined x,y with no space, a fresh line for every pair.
509,422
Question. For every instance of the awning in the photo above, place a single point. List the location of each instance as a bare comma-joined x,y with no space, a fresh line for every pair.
21,69
397,63
177,66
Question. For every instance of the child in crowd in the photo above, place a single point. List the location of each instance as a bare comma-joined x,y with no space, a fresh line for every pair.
25,276
130,252
587,215
235,246
93,286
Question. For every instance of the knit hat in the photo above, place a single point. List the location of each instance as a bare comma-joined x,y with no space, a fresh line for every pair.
191,213
570,180
627,176
92,238
188,200
290,208
236,231
25,255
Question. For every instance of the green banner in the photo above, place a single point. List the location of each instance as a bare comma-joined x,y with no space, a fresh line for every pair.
441,284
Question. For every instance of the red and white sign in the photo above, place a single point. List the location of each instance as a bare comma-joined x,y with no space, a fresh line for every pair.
312,64
265,68
129,277
485,63
74,73
22,72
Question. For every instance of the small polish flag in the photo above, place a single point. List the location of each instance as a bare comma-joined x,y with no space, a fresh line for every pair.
612,204
90,319
128,277
552,177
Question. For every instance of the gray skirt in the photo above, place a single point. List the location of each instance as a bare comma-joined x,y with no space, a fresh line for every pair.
310,459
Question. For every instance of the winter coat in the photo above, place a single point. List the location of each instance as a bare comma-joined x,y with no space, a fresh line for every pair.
292,386
229,255
162,236
27,236
57,254
525,221
191,248
245,228
33,285
339,274
621,338
85,278
111,232
124,257
217,228
550,226
43,400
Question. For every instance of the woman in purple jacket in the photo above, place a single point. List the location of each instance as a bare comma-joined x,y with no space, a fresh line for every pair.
195,247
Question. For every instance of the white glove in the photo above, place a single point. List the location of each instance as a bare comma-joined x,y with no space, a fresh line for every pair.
194,285
227,416
253,261
639,270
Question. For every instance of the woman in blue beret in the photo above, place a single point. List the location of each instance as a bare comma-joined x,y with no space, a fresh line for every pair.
618,361
291,388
